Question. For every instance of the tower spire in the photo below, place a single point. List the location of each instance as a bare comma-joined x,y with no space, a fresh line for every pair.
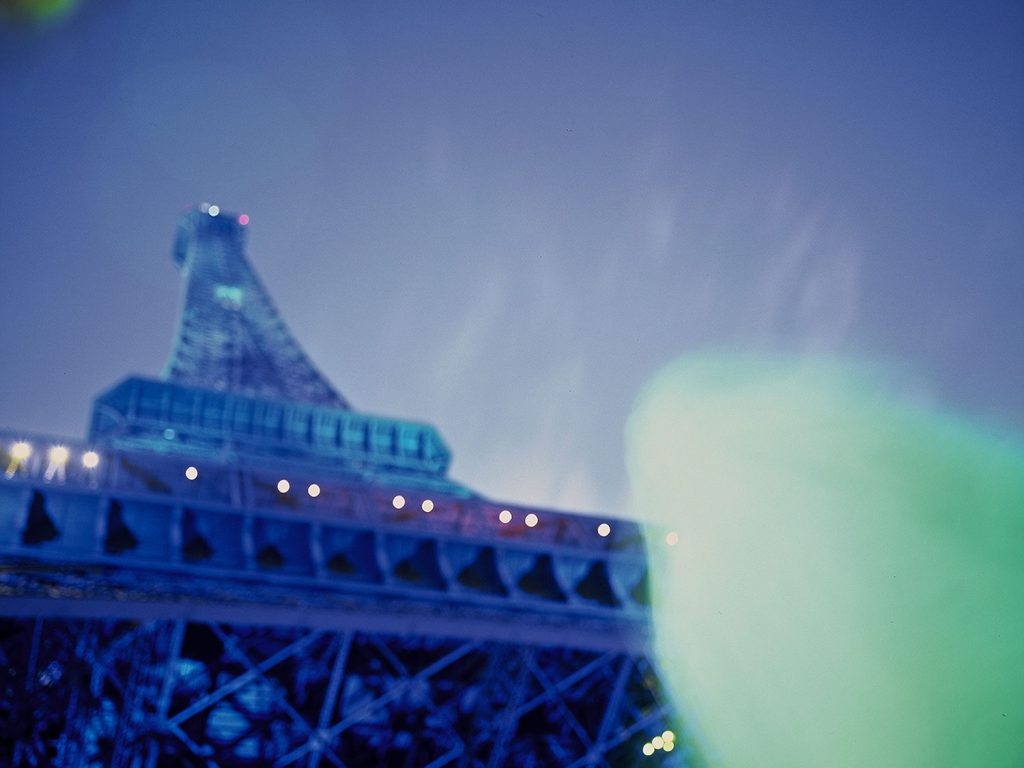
230,336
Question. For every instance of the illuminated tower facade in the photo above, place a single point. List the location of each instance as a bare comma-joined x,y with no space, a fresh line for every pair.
236,568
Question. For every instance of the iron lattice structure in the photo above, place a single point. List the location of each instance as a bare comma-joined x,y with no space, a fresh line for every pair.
230,336
237,569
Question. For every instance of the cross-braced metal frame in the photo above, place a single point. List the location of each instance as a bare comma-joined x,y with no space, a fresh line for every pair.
163,693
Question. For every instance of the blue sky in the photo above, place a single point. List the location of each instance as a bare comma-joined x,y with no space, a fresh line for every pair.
504,218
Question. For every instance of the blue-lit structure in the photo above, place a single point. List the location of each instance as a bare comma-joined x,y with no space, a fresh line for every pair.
236,568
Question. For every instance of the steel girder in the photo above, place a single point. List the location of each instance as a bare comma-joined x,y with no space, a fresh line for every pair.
120,694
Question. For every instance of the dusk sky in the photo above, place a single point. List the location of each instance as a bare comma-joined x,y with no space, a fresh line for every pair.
504,218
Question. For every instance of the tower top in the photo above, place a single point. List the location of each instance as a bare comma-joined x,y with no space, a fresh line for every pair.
230,336
238,385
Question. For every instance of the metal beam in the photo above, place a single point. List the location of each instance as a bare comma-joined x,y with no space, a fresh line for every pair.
571,719
331,696
510,719
566,682
369,707
246,677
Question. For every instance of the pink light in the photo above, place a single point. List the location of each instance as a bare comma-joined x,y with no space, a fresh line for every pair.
243,219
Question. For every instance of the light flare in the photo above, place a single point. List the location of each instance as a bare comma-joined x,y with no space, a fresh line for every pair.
847,576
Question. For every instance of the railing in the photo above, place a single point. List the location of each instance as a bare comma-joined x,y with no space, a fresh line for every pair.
67,499
317,498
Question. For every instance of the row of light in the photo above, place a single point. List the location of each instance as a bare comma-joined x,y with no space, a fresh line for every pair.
58,455
667,742
214,210
531,520
504,517
283,485
427,505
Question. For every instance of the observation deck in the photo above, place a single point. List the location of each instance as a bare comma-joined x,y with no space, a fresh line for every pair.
174,529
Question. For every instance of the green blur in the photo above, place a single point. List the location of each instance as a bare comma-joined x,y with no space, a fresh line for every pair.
36,10
848,586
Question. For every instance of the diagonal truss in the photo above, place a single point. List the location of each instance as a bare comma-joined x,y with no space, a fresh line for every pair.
154,694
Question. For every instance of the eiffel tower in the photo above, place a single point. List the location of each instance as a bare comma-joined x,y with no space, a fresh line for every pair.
236,568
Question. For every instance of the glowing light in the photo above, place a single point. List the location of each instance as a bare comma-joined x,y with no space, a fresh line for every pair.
191,473
427,505
669,746
230,294
21,450
671,538
505,516
398,502
58,454
603,530
313,490
58,458
90,459
657,742
283,486
531,520
648,749
214,210
243,219
668,736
